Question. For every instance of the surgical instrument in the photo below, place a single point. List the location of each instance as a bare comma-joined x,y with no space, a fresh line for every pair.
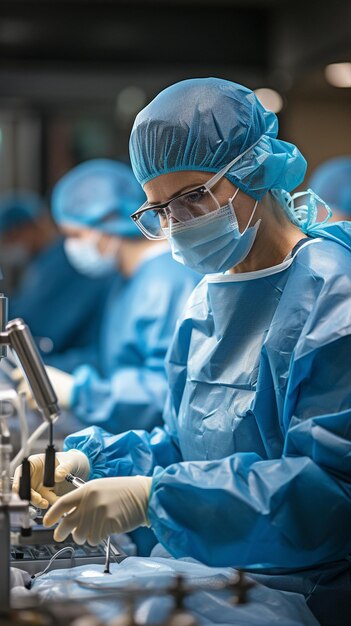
74,480
78,482
17,335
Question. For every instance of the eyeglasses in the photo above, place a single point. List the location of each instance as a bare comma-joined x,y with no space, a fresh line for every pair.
154,220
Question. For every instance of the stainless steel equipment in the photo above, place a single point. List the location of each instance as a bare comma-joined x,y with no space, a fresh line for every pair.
33,553
16,335
3,319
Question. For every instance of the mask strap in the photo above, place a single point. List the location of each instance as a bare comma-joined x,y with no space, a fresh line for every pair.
312,208
227,167
234,196
252,214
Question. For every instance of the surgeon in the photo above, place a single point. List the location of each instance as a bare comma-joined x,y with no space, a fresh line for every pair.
92,204
18,211
332,181
253,467
45,285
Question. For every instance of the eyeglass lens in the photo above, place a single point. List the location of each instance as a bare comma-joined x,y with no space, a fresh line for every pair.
182,209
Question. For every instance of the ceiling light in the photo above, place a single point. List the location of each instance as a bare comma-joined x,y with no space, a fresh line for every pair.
338,74
270,99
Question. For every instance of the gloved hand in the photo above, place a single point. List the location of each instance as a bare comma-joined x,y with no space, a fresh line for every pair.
71,462
61,382
100,508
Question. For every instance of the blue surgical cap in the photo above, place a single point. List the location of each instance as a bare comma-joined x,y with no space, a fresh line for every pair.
202,124
18,208
332,181
99,194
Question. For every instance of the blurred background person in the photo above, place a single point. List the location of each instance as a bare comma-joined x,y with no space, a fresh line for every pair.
44,287
18,212
332,182
127,389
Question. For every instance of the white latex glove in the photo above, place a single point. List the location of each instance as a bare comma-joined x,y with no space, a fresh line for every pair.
61,382
71,462
101,507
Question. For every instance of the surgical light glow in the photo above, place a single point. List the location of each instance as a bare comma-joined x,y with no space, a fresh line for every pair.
270,99
338,74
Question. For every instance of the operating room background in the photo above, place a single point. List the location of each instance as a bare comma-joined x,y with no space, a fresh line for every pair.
73,74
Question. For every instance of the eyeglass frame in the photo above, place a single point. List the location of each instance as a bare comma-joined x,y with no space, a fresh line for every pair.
205,186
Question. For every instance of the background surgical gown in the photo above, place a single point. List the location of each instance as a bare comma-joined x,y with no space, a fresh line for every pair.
253,466
130,388
62,308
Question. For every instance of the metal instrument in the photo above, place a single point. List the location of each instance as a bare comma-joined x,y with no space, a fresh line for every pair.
78,482
16,335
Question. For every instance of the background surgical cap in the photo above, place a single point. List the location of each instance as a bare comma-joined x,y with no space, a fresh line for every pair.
332,181
99,194
203,124
18,208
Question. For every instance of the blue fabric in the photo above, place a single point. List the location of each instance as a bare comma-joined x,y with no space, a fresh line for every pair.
138,324
212,243
18,208
265,607
100,194
305,214
332,181
126,454
253,467
203,124
326,589
276,410
63,306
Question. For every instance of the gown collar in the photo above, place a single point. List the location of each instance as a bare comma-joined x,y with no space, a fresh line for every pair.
268,271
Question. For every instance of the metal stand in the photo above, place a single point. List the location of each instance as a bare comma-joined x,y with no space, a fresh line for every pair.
5,559
17,335
6,510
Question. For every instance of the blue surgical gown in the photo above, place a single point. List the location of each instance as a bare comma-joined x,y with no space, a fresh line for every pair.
253,466
62,308
130,386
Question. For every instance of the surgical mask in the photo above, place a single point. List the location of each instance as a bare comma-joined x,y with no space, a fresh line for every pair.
86,258
212,243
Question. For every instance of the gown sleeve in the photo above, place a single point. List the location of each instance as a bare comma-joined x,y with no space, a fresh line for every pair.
289,512
132,453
